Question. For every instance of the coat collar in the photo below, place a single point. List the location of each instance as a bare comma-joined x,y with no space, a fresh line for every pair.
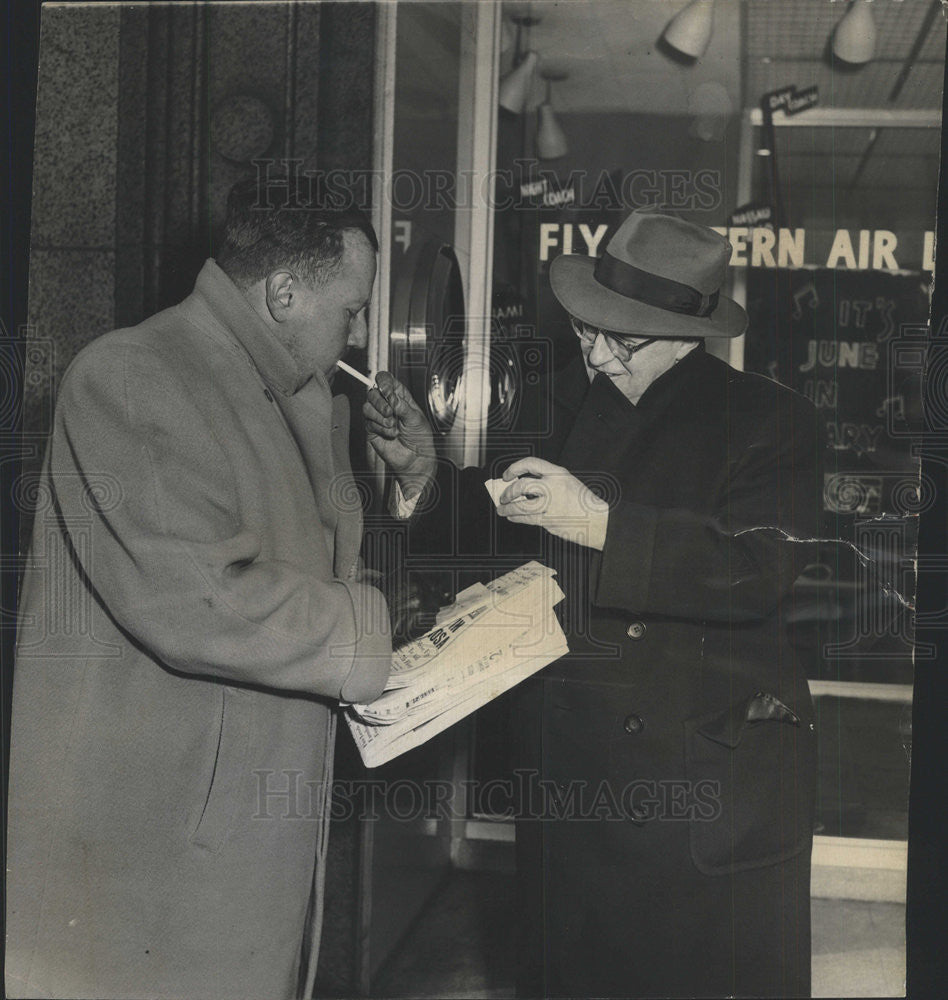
318,423
605,422
689,374
572,387
570,384
229,307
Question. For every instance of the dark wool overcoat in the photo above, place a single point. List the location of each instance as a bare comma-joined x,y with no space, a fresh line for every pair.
667,765
190,612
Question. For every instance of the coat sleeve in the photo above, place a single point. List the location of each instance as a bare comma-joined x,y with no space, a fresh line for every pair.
171,560
740,562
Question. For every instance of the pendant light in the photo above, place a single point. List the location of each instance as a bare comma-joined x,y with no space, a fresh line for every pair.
506,36
516,85
551,139
689,31
854,40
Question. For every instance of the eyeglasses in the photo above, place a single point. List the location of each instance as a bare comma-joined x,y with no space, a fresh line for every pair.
622,348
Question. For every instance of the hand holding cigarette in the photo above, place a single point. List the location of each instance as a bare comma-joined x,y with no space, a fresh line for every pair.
399,433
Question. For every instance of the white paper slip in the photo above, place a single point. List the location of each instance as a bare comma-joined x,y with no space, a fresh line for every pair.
497,486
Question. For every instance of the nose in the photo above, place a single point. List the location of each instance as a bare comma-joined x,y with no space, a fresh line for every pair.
358,331
600,353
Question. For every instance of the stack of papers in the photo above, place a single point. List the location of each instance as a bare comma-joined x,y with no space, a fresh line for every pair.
489,640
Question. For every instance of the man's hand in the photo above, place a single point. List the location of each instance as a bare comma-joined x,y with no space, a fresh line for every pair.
370,577
556,500
400,434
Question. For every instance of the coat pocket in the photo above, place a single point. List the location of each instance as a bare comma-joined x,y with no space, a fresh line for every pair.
230,762
760,757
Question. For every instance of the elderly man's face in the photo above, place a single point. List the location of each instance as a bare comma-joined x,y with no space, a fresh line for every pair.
331,317
634,376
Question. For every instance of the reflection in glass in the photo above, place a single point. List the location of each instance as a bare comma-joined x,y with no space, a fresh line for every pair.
446,384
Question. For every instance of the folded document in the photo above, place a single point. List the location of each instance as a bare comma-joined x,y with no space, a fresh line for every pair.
490,639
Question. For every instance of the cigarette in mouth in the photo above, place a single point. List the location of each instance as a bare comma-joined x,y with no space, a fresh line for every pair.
349,370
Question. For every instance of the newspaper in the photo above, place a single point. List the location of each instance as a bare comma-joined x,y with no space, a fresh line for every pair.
491,638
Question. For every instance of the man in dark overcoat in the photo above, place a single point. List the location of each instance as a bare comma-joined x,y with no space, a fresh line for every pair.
667,766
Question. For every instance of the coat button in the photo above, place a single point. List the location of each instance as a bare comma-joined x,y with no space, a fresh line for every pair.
636,630
633,725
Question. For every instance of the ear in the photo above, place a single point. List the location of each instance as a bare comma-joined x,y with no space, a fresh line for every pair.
684,346
281,294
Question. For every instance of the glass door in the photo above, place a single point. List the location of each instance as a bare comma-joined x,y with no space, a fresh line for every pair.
434,124
837,290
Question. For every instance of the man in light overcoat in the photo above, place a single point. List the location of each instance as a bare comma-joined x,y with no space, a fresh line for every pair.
192,610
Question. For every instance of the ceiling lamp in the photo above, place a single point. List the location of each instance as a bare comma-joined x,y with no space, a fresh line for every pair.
551,139
506,36
516,85
854,40
689,31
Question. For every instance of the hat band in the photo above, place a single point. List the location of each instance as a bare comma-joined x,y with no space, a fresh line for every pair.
652,289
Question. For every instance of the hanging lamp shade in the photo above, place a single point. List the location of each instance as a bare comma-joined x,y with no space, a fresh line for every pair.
854,40
689,31
551,139
506,36
515,86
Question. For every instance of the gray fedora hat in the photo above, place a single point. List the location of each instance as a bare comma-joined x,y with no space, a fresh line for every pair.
660,276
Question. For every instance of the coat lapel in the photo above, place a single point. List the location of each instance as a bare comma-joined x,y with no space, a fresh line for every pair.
348,538
608,432
320,426
569,389
604,425
318,422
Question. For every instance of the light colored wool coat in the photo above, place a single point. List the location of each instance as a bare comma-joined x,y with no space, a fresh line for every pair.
189,615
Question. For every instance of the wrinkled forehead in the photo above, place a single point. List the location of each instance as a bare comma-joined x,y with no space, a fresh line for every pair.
358,261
